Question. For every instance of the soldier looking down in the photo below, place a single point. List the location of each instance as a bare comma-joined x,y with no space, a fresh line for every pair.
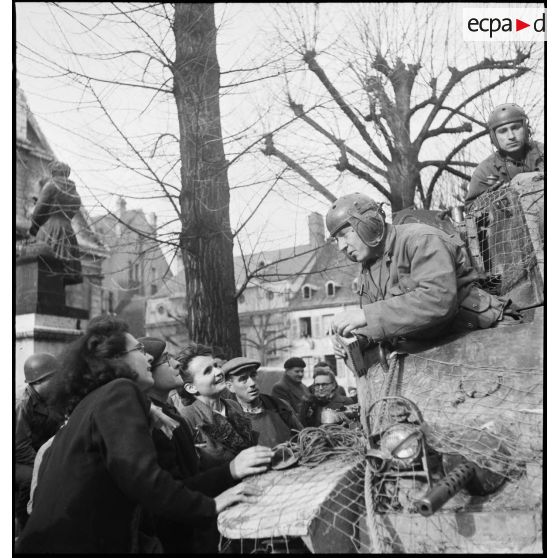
416,281
516,152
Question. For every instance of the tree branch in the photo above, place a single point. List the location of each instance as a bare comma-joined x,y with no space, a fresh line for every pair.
450,156
458,75
310,58
303,115
465,127
343,164
271,151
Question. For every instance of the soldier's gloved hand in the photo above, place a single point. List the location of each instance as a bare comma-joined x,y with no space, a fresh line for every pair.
338,349
345,322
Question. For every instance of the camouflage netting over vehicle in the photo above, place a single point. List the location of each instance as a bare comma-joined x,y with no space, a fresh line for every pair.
452,433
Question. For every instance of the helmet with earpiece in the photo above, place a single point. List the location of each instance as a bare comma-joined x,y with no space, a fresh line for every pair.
505,114
361,212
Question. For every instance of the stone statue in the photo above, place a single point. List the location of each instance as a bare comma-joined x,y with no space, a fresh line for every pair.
51,221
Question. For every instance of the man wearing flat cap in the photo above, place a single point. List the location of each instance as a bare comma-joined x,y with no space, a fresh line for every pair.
272,417
290,388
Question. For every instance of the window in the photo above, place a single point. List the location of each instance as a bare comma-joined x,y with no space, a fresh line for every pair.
305,325
153,288
306,292
241,299
136,272
326,320
330,288
269,295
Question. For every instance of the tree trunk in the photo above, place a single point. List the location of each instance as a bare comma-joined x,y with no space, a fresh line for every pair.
206,239
403,177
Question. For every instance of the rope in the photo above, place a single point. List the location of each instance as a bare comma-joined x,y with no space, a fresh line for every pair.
316,444
389,387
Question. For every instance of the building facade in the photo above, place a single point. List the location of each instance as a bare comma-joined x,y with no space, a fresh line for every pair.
287,307
135,268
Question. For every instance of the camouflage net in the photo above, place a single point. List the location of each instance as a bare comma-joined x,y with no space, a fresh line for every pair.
505,236
473,403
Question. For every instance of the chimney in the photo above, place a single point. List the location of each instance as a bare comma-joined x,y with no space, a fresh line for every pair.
316,229
122,207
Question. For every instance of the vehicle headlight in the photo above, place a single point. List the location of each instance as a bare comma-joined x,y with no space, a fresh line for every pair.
402,442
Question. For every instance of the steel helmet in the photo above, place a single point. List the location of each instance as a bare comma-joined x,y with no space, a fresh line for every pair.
39,366
361,212
504,114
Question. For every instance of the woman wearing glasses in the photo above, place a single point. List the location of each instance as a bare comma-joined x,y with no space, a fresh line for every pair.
326,404
101,470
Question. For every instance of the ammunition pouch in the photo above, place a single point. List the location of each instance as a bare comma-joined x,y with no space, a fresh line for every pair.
479,310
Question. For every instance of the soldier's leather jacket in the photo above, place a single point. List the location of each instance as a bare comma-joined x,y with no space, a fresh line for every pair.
35,423
501,168
422,287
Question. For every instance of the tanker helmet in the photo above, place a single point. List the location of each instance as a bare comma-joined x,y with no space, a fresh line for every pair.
39,366
365,215
504,114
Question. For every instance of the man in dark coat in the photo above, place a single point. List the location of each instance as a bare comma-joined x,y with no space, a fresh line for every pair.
176,453
272,417
417,282
36,420
290,387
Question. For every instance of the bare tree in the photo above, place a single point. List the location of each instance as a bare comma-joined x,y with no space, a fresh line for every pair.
140,56
401,105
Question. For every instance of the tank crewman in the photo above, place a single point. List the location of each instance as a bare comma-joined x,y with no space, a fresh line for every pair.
515,153
416,281
37,420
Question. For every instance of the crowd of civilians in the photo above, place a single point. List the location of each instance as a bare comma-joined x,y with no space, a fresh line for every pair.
122,446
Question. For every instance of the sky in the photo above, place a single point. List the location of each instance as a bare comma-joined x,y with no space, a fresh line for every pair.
249,34
285,218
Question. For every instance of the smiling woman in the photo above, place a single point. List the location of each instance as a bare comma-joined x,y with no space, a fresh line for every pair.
217,424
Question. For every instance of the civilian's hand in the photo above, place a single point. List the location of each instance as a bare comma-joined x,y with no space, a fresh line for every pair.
235,495
251,461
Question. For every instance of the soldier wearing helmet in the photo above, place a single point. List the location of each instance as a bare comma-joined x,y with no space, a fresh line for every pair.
416,281
516,152
37,420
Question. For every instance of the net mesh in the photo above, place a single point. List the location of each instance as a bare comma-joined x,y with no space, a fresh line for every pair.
504,230
475,401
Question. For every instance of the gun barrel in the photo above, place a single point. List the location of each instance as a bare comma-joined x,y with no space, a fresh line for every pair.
448,487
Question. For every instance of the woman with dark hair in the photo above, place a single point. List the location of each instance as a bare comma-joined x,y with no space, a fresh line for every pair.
101,470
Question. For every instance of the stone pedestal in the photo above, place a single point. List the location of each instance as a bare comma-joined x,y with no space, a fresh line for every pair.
41,333
44,323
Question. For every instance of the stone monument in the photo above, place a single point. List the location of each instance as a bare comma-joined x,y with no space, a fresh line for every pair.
47,260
